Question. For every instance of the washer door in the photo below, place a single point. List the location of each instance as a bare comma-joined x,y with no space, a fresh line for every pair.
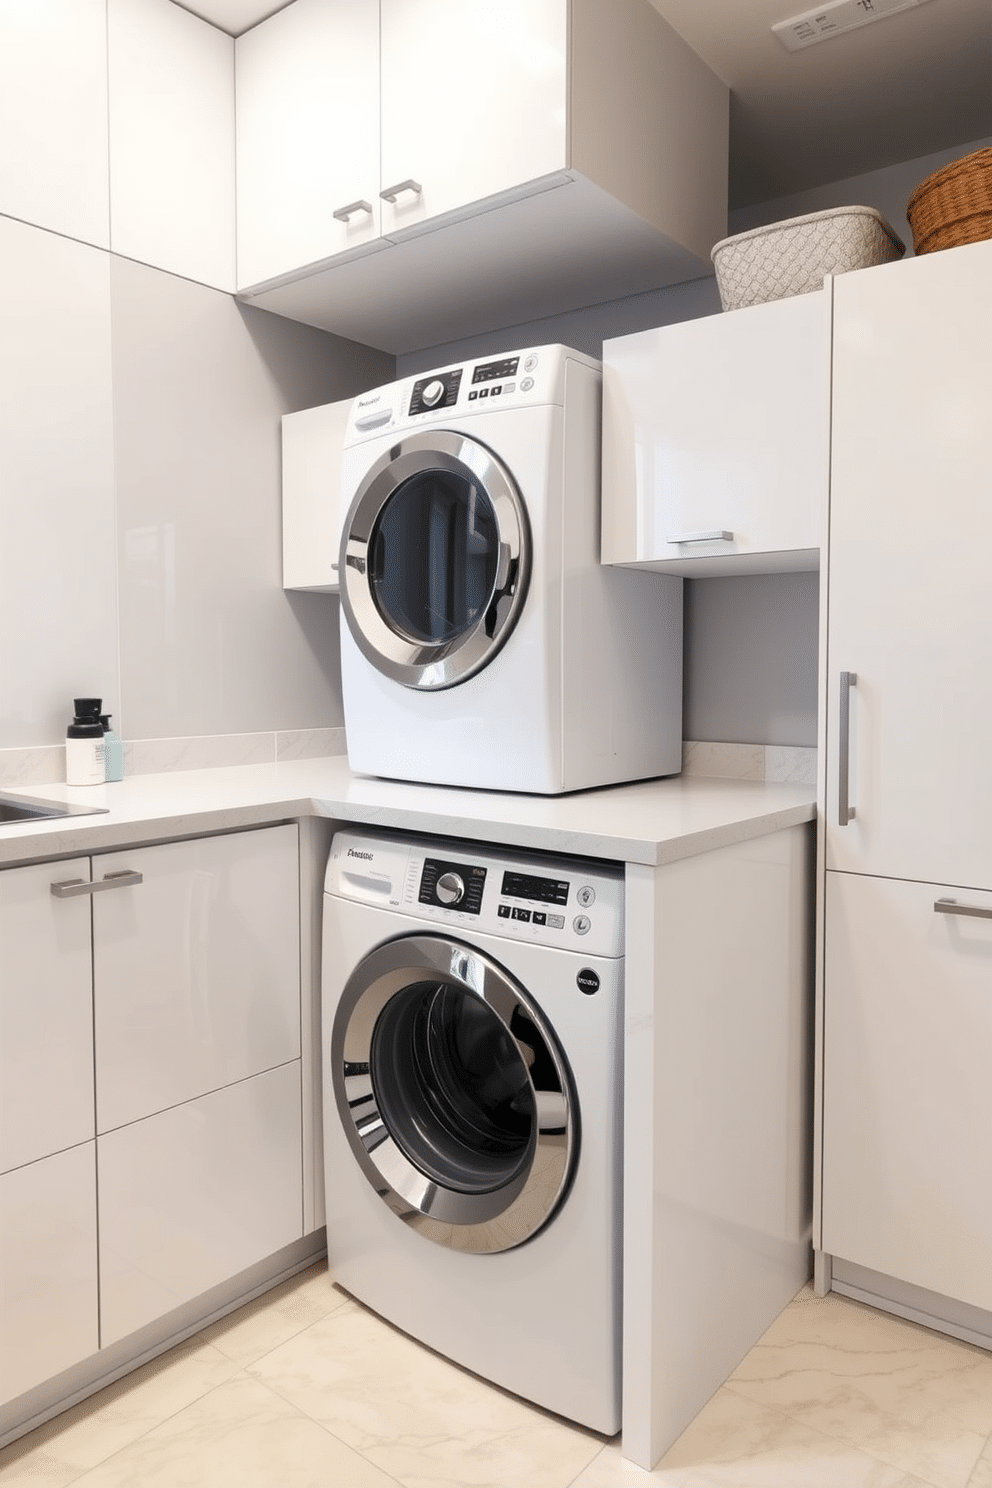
434,560
453,1093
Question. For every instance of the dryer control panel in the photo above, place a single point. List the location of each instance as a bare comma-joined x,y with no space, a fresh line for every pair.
571,903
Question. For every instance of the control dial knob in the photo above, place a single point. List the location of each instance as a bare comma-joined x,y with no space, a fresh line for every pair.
450,888
433,392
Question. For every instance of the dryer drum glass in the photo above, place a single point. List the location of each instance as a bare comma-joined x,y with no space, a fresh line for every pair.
434,556
453,1088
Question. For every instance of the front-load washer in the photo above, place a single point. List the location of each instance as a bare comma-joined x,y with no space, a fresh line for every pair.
472,1058
483,644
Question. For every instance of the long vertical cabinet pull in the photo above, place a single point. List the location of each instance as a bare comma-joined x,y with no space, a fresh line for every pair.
845,811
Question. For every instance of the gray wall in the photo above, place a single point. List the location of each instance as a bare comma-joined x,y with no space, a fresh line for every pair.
140,500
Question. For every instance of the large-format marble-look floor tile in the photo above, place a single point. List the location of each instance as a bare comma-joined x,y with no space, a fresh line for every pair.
241,1435
276,1316
736,1443
419,1418
982,1476
62,1449
914,1398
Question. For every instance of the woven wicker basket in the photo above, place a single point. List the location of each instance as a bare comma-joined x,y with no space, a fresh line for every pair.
792,257
954,205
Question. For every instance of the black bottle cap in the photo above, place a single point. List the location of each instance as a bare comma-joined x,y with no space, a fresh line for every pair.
87,708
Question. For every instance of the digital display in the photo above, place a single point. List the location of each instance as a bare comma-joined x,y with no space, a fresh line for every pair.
531,886
496,371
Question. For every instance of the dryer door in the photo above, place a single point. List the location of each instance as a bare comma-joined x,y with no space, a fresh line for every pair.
434,561
454,1094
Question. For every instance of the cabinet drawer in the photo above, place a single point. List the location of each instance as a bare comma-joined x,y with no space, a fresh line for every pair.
48,1299
907,1161
196,969
192,1196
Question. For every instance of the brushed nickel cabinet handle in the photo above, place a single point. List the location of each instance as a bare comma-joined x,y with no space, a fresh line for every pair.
392,192
845,811
693,537
70,887
344,213
952,907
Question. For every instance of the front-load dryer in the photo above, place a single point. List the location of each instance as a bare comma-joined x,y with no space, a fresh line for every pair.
483,644
472,1014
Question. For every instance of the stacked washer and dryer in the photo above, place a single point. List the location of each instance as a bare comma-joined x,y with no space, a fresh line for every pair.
472,997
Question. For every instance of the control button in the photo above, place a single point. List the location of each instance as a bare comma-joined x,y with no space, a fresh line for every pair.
433,392
526,384
503,910
473,394
497,389
530,363
581,924
450,888
540,918
521,914
483,392
556,922
586,896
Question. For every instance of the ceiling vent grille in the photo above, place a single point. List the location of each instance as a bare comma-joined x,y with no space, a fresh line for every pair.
830,20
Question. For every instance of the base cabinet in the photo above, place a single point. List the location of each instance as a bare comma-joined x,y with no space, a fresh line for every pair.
907,1161
48,1268
173,972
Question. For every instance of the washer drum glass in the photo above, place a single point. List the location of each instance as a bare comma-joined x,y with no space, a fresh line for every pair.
434,560
453,1093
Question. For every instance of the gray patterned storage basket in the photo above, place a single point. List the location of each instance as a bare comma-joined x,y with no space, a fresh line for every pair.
792,257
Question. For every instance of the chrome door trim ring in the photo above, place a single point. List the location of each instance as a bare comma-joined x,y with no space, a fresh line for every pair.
425,667
483,1223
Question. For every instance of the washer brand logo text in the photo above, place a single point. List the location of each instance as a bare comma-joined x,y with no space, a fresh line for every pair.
354,853
367,402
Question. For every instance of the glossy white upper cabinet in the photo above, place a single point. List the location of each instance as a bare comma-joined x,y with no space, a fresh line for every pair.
910,559
536,156
53,116
308,136
715,441
48,1268
171,79
196,969
46,1014
312,445
472,102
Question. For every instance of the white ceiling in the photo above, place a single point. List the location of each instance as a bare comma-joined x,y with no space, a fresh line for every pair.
909,85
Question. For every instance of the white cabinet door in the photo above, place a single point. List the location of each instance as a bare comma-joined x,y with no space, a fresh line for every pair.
907,1162
715,441
46,1016
193,1195
196,969
312,514
910,559
171,140
307,89
48,1269
473,101
53,116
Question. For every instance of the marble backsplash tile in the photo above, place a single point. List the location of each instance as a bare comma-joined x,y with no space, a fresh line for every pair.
22,768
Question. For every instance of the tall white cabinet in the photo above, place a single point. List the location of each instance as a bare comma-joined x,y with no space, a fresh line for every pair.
906,1048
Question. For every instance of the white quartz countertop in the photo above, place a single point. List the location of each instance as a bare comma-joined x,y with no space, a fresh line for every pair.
651,822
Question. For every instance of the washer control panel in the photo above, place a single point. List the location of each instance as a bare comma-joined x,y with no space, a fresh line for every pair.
572,903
